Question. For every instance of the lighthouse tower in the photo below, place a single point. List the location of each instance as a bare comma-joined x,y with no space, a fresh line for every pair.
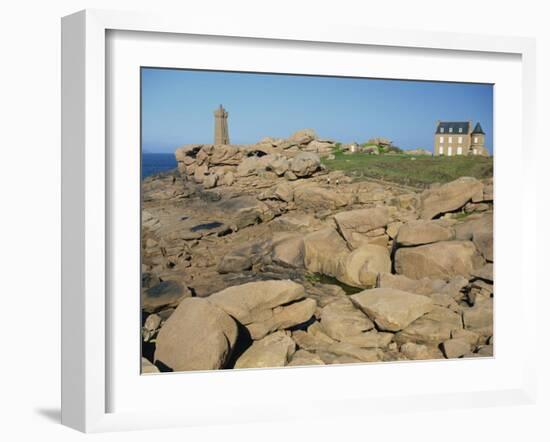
221,131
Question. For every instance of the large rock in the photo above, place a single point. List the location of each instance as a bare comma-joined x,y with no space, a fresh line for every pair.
456,348
305,164
253,301
226,155
323,251
278,164
340,319
165,294
197,336
283,317
252,165
355,224
288,250
303,136
361,267
284,192
210,181
319,198
390,309
450,196
420,232
274,350
312,341
438,260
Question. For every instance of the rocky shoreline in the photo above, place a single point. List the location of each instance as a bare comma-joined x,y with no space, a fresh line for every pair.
256,256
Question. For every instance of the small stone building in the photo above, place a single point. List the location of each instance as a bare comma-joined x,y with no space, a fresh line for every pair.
458,138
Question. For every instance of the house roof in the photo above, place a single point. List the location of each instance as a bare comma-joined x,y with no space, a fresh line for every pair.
453,127
478,129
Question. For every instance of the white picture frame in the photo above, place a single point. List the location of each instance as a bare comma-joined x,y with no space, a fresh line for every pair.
87,207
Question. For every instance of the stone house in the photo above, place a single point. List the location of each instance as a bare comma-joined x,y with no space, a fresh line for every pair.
458,138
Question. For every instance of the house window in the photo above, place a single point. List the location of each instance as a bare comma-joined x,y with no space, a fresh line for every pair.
475,151
459,151
459,140
450,130
450,139
440,150
460,130
449,151
475,139
441,139
440,130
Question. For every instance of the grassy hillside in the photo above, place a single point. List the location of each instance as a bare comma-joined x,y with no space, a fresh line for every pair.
417,171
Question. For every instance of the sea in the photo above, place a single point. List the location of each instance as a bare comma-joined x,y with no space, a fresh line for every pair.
153,163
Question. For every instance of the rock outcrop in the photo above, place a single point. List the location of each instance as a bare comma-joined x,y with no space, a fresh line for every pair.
257,256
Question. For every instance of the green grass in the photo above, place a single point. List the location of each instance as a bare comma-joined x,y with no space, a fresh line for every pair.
402,169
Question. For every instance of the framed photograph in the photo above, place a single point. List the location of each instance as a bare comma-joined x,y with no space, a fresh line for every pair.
251,213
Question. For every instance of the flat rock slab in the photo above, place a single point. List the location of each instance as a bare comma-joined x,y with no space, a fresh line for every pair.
392,310
421,232
197,336
341,318
443,260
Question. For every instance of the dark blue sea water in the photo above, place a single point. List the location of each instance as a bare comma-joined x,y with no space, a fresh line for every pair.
152,163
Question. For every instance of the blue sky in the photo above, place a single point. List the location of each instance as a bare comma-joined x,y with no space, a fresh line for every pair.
178,106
